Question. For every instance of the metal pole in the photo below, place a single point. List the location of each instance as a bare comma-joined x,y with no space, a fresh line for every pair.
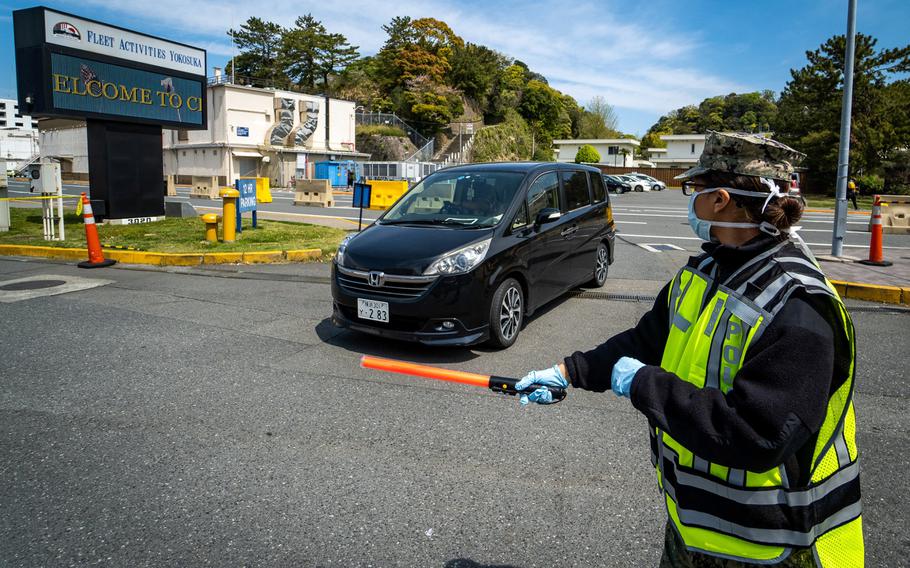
843,155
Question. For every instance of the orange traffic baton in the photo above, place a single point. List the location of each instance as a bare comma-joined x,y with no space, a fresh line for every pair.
876,257
95,256
495,383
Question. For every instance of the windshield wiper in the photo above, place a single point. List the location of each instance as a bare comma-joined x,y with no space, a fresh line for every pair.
426,222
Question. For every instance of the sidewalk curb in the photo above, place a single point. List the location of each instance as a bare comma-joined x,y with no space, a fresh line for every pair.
167,259
822,210
872,292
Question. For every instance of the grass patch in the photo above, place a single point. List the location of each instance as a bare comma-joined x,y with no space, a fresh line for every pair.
827,202
174,235
381,130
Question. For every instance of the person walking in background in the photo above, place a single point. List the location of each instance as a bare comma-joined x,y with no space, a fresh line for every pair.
352,177
851,192
744,368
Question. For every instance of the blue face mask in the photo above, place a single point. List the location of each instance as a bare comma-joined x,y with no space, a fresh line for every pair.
702,228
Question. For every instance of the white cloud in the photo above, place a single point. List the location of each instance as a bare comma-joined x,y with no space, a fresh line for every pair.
584,50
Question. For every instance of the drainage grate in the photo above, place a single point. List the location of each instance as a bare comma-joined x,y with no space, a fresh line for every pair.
32,285
591,295
877,309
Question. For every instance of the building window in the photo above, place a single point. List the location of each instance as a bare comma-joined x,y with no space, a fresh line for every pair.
612,150
693,148
3,105
18,115
183,134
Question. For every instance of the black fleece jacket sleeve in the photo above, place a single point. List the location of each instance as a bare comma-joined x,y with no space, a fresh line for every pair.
777,403
645,342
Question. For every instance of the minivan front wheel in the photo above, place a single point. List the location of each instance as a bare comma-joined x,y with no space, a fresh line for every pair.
601,266
506,313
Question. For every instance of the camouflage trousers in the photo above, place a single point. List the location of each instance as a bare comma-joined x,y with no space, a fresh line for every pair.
677,556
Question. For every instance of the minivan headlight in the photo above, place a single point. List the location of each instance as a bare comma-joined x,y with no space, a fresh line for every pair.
339,254
461,260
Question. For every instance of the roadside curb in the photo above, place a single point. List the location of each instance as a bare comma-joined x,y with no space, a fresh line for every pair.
167,259
872,292
820,210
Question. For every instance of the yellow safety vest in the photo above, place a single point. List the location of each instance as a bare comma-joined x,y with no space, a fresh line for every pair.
756,516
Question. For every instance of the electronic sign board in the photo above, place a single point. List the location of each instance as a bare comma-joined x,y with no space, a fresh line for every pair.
73,67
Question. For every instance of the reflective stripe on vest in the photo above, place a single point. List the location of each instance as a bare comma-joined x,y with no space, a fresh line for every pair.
733,513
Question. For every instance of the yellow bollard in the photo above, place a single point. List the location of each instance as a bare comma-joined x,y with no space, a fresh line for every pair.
229,197
211,227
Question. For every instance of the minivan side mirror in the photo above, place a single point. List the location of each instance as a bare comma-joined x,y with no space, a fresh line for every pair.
547,215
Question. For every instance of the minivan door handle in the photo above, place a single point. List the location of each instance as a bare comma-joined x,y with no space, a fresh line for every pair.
569,231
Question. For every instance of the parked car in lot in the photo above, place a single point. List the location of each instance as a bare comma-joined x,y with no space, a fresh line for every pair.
637,184
470,252
656,184
617,185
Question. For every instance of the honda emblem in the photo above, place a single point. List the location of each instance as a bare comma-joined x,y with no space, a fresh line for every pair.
377,279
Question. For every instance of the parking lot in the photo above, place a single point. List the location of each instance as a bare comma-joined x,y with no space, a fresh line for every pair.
216,417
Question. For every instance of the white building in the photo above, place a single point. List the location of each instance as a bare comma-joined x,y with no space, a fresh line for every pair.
251,132
619,152
10,117
18,146
682,151
255,132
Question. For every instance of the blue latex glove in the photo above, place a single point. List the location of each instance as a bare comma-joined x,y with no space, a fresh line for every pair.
551,377
623,372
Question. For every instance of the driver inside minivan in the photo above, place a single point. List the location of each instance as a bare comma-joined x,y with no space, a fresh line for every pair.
475,197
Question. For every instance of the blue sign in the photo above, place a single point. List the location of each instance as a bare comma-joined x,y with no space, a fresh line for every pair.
86,85
243,131
247,189
362,195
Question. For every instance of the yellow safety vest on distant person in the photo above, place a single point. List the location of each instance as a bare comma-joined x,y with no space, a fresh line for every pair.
757,516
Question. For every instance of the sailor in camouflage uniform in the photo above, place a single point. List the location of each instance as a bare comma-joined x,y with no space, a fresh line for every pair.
744,368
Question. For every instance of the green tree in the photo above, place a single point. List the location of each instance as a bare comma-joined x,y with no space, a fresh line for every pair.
604,110
358,82
299,51
809,108
587,155
333,53
475,69
259,43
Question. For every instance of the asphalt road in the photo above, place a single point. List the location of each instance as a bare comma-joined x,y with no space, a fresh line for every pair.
216,418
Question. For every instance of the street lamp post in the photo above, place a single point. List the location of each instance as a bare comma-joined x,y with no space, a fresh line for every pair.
843,155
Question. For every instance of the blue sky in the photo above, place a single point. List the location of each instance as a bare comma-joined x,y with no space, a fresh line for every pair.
644,58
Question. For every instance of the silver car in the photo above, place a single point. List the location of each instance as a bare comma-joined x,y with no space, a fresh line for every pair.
656,184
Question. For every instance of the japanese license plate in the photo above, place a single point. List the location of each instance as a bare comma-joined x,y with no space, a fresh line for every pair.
373,310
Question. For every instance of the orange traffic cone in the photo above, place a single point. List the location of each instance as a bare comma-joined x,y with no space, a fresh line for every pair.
95,256
876,258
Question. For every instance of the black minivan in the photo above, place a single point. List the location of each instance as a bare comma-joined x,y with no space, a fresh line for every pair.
470,251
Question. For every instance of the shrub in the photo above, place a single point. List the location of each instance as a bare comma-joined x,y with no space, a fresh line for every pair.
870,184
587,155
381,130
505,142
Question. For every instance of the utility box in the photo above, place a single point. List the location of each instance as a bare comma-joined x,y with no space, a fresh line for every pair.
4,193
337,172
44,178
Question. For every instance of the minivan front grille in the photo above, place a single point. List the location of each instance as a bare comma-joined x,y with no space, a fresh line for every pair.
392,285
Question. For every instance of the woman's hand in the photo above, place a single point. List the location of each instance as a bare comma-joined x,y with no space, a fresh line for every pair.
555,376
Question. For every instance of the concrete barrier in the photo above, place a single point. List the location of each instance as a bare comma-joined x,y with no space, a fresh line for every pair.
205,187
895,214
313,193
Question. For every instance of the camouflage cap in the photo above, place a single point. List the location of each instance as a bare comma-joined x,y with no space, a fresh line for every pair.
745,154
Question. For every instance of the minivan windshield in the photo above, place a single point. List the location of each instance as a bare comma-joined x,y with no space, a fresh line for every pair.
467,199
